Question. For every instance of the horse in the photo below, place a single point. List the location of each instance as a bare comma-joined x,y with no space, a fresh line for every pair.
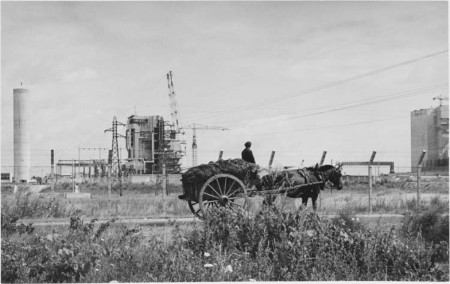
316,177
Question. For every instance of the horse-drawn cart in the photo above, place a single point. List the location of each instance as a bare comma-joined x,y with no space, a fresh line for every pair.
219,189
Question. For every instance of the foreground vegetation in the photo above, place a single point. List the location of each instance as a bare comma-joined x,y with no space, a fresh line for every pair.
271,246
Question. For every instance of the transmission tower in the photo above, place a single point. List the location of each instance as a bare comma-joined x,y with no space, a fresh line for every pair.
115,161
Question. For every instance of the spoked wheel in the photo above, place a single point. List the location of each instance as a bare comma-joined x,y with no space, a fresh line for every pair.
222,190
195,208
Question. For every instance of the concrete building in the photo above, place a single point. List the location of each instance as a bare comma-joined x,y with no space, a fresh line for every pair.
22,160
429,131
150,144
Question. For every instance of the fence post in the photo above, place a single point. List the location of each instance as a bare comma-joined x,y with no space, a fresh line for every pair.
322,159
419,170
370,180
73,176
271,160
220,155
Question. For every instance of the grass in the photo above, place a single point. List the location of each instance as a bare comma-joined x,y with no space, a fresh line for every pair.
141,200
45,206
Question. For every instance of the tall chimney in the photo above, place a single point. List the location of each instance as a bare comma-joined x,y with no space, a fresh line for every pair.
22,161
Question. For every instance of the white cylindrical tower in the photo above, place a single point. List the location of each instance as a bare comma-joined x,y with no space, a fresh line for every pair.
22,162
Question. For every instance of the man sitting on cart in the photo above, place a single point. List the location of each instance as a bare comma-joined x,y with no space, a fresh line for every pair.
247,154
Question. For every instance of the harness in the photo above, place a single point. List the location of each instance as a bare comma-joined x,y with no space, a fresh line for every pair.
319,175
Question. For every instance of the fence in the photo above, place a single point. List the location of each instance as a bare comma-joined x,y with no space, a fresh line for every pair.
371,167
173,179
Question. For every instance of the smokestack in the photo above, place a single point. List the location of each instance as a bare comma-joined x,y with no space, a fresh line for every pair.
52,163
22,161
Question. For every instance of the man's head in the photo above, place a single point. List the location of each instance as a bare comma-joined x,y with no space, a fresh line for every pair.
248,144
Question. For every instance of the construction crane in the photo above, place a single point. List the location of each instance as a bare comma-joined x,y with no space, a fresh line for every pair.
176,122
195,127
173,104
440,98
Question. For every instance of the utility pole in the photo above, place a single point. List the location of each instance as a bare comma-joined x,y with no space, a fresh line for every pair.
164,182
52,172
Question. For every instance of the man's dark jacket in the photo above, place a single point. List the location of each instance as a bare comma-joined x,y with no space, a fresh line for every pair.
247,155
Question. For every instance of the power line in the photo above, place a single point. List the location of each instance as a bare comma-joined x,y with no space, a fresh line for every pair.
359,103
437,86
369,34
414,93
331,126
321,87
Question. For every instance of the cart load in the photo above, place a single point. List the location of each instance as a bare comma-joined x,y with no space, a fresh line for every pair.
197,176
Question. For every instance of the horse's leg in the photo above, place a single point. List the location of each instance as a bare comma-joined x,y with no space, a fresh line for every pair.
314,198
304,202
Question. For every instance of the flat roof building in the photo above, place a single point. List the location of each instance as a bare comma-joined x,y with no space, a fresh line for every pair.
429,131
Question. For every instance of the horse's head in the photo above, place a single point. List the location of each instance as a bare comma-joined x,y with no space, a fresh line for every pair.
332,174
336,177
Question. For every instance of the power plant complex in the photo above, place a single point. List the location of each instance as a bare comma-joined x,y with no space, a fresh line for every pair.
152,143
156,146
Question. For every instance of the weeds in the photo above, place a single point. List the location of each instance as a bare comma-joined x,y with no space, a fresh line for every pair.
27,204
271,246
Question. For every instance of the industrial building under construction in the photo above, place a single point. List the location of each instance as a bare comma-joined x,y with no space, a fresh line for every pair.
152,143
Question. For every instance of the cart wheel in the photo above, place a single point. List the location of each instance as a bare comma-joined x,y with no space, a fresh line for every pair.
195,208
222,190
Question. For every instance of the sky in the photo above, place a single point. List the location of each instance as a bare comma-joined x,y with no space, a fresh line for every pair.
296,78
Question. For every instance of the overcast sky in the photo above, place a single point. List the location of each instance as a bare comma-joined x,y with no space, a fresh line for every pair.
294,77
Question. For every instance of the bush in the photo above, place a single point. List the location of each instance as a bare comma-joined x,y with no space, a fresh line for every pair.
55,257
302,247
7,188
432,225
348,221
227,246
10,226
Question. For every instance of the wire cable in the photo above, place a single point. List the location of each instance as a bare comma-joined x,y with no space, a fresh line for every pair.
321,87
